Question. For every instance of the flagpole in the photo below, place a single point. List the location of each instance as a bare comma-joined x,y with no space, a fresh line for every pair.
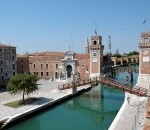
145,27
145,24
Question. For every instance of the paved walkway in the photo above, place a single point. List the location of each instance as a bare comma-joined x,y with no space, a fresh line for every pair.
48,91
128,118
131,116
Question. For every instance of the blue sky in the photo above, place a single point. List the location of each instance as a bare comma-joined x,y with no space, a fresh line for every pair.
54,25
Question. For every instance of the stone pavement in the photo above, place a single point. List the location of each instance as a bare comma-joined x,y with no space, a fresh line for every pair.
131,116
48,91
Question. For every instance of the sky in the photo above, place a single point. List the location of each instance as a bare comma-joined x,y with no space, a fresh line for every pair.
54,25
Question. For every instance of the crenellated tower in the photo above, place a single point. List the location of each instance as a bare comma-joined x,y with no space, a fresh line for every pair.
144,61
144,66
96,55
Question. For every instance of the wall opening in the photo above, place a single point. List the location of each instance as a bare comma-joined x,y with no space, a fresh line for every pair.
69,71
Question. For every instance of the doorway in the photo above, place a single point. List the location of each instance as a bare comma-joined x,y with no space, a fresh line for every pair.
69,71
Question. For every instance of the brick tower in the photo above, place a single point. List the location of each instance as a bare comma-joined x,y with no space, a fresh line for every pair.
144,60
96,55
144,66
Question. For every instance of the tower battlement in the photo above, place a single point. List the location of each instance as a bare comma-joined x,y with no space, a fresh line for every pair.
144,46
145,40
145,34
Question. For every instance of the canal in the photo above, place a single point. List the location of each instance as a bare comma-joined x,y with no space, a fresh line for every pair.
91,110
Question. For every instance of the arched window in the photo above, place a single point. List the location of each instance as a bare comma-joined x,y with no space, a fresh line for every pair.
46,66
56,66
56,75
34,66
95,42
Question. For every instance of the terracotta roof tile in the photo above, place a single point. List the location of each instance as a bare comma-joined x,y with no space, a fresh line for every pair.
47,53
82,56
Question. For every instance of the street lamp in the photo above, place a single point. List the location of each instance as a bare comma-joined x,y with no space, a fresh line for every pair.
135,105
140,107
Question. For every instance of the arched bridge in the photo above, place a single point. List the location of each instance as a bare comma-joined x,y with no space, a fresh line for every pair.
108,81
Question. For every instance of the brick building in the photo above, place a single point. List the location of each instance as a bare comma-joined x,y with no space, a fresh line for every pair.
144,46
65,66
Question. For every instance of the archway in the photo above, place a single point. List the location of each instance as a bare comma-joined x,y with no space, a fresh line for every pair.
69,71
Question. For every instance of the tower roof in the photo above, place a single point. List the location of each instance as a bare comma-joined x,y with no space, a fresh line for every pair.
86,42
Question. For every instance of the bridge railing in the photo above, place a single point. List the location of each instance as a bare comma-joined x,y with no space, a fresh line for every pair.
105,80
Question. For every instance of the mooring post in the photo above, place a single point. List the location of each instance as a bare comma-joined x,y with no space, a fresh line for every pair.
131,76
96,79
74,89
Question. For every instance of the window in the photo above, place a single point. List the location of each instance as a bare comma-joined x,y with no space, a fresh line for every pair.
13,66
6,74
2,70
34,66
13,57
56,66
14,73
1,62
22,72
36,73
47,74
1,50
94,42
5,49
2,78
22,65
46,66
87,68
41,73
13,50
41,66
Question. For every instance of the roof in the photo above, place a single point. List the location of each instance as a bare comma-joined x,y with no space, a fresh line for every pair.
4,45
47,53
82,56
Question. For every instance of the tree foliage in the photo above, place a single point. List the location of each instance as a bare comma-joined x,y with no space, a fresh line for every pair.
117,54
25,83
133,53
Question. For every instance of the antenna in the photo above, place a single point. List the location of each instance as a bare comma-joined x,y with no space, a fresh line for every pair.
109,44
95,28
69,48
144,22
71,42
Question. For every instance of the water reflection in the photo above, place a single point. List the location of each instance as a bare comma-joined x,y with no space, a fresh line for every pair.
99,104
92,110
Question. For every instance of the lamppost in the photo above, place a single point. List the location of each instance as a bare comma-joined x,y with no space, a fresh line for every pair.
141,105
135,105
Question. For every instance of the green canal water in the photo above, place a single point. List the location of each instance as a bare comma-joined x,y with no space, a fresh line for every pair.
92,110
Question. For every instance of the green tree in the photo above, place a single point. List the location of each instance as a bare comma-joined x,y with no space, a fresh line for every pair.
24,83
133,53
117,54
